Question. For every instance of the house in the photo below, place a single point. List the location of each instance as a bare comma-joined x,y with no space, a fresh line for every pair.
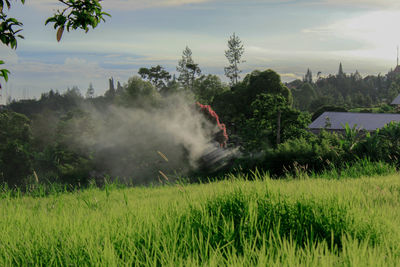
396,101
335,121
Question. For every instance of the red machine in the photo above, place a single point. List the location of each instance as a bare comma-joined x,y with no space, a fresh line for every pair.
221,137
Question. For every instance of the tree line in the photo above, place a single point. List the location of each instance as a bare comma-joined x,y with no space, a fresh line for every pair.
264,117
348,91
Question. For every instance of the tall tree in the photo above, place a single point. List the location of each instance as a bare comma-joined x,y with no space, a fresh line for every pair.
234,54
194,71
340,72
157,75
90,91
187,69
308,77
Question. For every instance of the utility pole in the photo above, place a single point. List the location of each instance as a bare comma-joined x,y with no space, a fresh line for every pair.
278,128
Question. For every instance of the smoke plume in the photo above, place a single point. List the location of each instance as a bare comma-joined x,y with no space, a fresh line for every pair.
143,145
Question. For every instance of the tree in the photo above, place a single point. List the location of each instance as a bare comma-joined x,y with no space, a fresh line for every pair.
73,156
304,95
308,77
206,88
272,121
15,148
75,15
340,72
138,93
157,75
194,71
234,54
187,69
236,108
90,91
268,82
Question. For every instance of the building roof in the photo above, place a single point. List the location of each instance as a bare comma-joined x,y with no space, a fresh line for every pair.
366,121
396,101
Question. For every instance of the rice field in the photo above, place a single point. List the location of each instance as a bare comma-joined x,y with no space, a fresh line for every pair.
235,222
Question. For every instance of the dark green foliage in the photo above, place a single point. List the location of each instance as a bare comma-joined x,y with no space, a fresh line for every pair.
348,91
384,144
188,69
157,75
15,148
66,160
251,110
206,88
313,153
53,102
139,93
250,120
328,151
260,131
267,82
303,96
8,34
386,109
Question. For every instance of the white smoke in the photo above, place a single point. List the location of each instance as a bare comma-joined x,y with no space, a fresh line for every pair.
127,141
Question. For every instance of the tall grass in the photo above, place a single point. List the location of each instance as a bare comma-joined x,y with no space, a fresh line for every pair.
264,222
360,168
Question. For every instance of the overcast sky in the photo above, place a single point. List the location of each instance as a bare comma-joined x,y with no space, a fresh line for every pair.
288,36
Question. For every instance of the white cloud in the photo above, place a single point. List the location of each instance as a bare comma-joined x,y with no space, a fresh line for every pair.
362,3
40,77
9,56
120,4
140,4
376,31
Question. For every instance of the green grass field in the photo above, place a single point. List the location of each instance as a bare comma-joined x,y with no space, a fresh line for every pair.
293,222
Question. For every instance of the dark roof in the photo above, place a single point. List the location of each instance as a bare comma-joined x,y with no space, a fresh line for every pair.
366,121
396,101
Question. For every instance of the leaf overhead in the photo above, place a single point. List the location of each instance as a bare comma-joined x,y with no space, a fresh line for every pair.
78,15
60,33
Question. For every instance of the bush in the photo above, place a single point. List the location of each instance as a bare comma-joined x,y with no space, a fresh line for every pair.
313,153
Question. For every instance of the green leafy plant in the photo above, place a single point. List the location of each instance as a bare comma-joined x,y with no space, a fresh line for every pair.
8,33
4,72
77,14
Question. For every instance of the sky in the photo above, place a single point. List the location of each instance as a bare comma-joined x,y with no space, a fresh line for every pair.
287,36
